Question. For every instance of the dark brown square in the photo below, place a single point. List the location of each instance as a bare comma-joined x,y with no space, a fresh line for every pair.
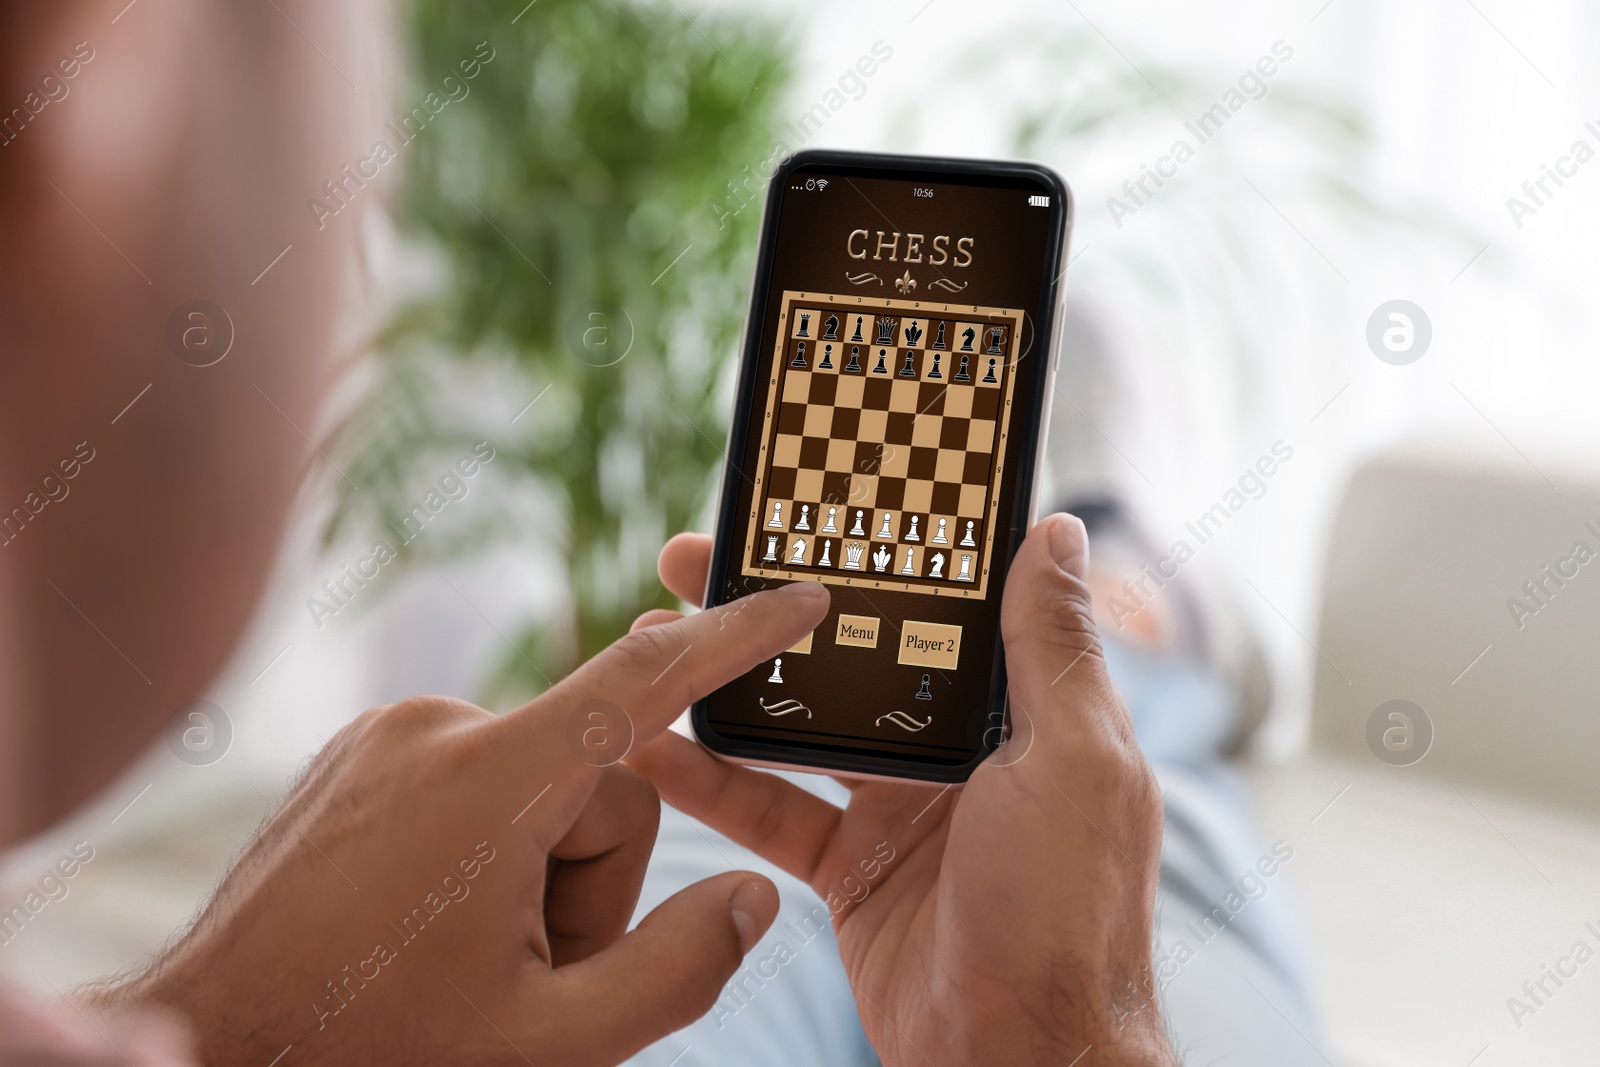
923,462
946,497
985,403
846,421
875,394
930,399
814,452
869,457
835,489
791,418
891,493
824,387
781,482
976,470
899,428
953,433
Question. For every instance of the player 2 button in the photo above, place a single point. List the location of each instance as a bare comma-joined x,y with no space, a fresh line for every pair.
930,644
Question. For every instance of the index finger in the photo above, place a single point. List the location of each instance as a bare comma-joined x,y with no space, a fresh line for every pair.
654,673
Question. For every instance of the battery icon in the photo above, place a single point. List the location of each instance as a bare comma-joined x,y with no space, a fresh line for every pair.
1038,201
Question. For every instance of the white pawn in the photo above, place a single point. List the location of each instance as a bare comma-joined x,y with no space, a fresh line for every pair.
827,547
772,550
967,541
910,567
799,555
856,530
938,537
805,518
777,671
912,536
830,527
777,515
938,566
886,533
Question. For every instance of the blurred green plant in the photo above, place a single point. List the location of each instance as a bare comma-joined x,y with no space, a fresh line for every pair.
566,201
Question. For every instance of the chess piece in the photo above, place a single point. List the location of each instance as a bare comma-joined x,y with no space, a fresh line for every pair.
910,369
777,515
938,340
967,337
989,378
852,556
831,328
805,518
937,570
827,358
938,536
886,533
856,530
934,373
805,325
881,559
961,371
965,575
910,567
857,335
772,550
967,541
799,360
913,335
923,693
994,341
829,527
912,536
886,331
777,671
883,366
799,554
854,366
827,555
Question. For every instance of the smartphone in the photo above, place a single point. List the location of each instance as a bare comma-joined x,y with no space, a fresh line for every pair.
897,368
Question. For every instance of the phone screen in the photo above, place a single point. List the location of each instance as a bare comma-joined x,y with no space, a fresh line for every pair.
884,445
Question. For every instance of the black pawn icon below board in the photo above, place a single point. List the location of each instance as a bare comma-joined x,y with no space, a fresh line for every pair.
924,693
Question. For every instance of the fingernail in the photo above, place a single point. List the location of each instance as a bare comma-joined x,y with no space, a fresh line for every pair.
744,905
1069,544
805,590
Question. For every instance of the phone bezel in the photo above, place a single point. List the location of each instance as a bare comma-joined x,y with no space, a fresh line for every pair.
790,755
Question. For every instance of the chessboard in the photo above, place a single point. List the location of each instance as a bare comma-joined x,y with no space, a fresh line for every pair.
883,443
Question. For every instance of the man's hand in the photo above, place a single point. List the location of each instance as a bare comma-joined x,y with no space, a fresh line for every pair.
1013,925
446,886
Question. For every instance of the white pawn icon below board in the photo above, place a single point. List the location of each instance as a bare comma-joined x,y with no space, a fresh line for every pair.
777,671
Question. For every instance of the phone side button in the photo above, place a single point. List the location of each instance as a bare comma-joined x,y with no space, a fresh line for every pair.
930,644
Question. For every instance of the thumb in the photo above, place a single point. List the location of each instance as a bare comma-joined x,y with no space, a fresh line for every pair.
671,968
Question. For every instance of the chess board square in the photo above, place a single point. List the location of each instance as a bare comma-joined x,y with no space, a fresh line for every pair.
895,461
923,463
872,426
796,386
807,485
758,551
831,514
891,494
903,396
868,457
982,365
979,436
835,487
986,404
849,391
974,500
780,483
930,399
951,466
902,359
858,329
882,356
803,322
832,323
946,496
799,552
958,401
941,526
953,433
826,363
995,336
913,522
841,454
814,452
936,367
926,432
875,393
845,421
859,523
976,467
863,491
784,513
919,494
824,387
819,420
899,427
912,552
967,337
786,450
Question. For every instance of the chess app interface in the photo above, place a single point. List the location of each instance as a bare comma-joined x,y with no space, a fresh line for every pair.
884,446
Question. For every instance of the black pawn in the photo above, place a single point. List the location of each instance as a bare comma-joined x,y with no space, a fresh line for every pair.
799,360
854,366
831,328
961,371
994,342
883,365
827,358
924,693
910,369
805,326
934,373
938,341
857,335
990,379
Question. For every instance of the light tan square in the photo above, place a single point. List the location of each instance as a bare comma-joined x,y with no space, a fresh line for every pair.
850,390
797,386
863,493
819,420
786,450
903,395
980,436
873,424
925,431
807,487
827,359
958,401
966,338
919,494
980,371
951,463
974,503
894,460
841,455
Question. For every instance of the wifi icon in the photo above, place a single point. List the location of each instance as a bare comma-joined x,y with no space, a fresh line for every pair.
822,183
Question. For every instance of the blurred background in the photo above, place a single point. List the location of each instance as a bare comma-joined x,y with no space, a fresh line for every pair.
558,267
